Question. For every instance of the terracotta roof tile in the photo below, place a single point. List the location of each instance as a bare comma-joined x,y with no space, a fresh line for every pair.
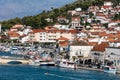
93,43
63,39
50,28
75,18
14,35
63,44
100,47
38,30
110,40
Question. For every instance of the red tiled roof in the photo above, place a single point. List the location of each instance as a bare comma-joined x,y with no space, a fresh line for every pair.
94,33
50,28
75,18
100,14
111,35
105,7
63,44
96,24
38,30
100,47
14,35
63,38
101,34
18,26
93,43
54,31
110,40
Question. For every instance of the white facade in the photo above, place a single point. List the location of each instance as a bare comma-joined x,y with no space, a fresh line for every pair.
59,26
116,44
113,54
82,35
80,51
108,3
41,37
24,39
75,23
52,35
97,55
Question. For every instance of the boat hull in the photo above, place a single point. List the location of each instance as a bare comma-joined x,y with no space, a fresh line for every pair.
109,69
47,64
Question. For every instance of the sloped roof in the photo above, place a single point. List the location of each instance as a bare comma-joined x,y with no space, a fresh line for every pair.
80,43
63,38
100,47
38,30
14,35
50,28
63,44
93,43
110,39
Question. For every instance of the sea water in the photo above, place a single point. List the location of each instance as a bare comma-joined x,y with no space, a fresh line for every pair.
26,72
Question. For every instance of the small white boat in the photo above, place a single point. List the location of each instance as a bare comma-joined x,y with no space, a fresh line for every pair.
110,69
67,64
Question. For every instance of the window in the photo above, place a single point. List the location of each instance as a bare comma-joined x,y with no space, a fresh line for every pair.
97,54
112,53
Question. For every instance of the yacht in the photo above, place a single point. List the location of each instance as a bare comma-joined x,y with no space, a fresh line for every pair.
67,64
110,69
41,63
47,63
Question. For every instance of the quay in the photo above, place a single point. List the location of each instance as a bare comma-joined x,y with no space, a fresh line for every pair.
93,69
6,60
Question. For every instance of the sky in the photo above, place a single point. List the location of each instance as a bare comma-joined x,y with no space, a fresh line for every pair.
20,8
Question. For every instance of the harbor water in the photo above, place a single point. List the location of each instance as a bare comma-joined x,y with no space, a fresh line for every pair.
26,72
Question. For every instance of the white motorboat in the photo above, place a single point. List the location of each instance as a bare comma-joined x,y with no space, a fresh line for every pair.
41,63
110,69
47,63
67,64
34,62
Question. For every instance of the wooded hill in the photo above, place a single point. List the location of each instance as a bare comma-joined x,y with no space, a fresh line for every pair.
38,21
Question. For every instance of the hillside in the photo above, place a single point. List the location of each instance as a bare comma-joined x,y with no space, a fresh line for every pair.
38,21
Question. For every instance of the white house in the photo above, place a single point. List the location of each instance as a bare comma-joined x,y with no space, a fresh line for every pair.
113,54
98,52
80,49
75,23
108,3
59,26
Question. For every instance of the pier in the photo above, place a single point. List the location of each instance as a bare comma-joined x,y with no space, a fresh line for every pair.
6,60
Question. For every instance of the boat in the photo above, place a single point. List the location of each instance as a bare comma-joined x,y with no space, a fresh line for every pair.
47,63
41,63
110,69
67,64
34,62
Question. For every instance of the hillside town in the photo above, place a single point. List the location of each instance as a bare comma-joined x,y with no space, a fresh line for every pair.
91,38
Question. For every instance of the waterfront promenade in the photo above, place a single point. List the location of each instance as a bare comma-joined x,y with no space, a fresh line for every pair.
6,60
